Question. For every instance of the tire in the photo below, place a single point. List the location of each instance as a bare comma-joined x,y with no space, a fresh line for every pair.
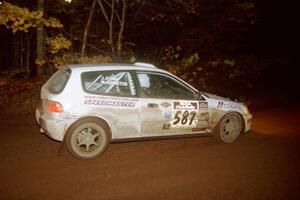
229,128
87,138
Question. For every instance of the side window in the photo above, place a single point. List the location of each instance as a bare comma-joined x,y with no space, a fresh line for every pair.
162,87
117,83
58,81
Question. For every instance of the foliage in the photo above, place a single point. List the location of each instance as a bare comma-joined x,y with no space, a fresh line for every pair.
229,62
15,73
225,71
40,62
243,12
191,60
210,74
22,19
3,82
132,59
181,9
73,58
19,94
58,43
172,33
172,58
188,6
185,66
94,59
172,53
246,5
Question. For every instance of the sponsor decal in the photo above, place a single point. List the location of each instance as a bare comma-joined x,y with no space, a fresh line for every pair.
168,115
165,104
203,105
111,80
117,83
185,105
220,104
224,105
166,126
110,101
110,98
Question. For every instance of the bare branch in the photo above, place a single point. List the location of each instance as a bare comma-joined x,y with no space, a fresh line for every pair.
87,27
122,25
116,13
111,42
137,12
103,11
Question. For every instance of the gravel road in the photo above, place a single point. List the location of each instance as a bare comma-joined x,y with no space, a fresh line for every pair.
264,164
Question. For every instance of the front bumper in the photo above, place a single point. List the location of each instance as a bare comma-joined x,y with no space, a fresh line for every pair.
248,120
48,122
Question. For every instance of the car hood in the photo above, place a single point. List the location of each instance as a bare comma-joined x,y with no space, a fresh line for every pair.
216,97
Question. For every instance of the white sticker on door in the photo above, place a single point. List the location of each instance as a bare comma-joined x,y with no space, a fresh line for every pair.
184,114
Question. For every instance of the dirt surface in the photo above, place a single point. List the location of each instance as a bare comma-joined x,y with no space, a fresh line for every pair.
264,164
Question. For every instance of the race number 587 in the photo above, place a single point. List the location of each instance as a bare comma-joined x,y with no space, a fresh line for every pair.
185,117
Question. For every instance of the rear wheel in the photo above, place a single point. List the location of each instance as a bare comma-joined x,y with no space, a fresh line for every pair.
87,138
229,128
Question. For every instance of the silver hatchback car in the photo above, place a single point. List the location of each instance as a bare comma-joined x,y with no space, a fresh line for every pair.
88,106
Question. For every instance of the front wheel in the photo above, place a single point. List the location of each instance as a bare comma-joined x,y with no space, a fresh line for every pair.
87,138
229,128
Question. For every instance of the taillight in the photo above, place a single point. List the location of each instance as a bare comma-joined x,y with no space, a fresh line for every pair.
53,106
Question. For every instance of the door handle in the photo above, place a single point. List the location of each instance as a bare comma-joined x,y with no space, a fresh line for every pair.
152,105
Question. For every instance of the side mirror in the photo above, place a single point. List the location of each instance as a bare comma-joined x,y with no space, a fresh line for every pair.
199,96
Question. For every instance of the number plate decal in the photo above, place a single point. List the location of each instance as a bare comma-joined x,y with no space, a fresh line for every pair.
184,114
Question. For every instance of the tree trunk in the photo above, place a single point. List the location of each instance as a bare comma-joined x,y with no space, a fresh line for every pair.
87,27
22,51
40,48
16,50
121,31
28,68
111,22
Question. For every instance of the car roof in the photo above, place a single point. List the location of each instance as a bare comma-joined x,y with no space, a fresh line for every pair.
114,66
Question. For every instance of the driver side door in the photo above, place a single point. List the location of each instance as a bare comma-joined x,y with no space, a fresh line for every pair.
167,106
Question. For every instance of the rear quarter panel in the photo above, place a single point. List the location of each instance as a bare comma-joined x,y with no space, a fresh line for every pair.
122,121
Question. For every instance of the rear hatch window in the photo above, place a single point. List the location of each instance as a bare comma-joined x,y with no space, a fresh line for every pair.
58,81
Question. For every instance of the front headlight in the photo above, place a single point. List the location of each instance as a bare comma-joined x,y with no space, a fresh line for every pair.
246,110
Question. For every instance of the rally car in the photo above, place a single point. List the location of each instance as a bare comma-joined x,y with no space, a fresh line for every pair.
89,106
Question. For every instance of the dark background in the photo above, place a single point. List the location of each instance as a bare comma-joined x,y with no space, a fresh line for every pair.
265,52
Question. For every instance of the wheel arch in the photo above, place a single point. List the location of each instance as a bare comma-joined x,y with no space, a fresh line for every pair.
243,121
218,115
215,129
241,116
100,120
